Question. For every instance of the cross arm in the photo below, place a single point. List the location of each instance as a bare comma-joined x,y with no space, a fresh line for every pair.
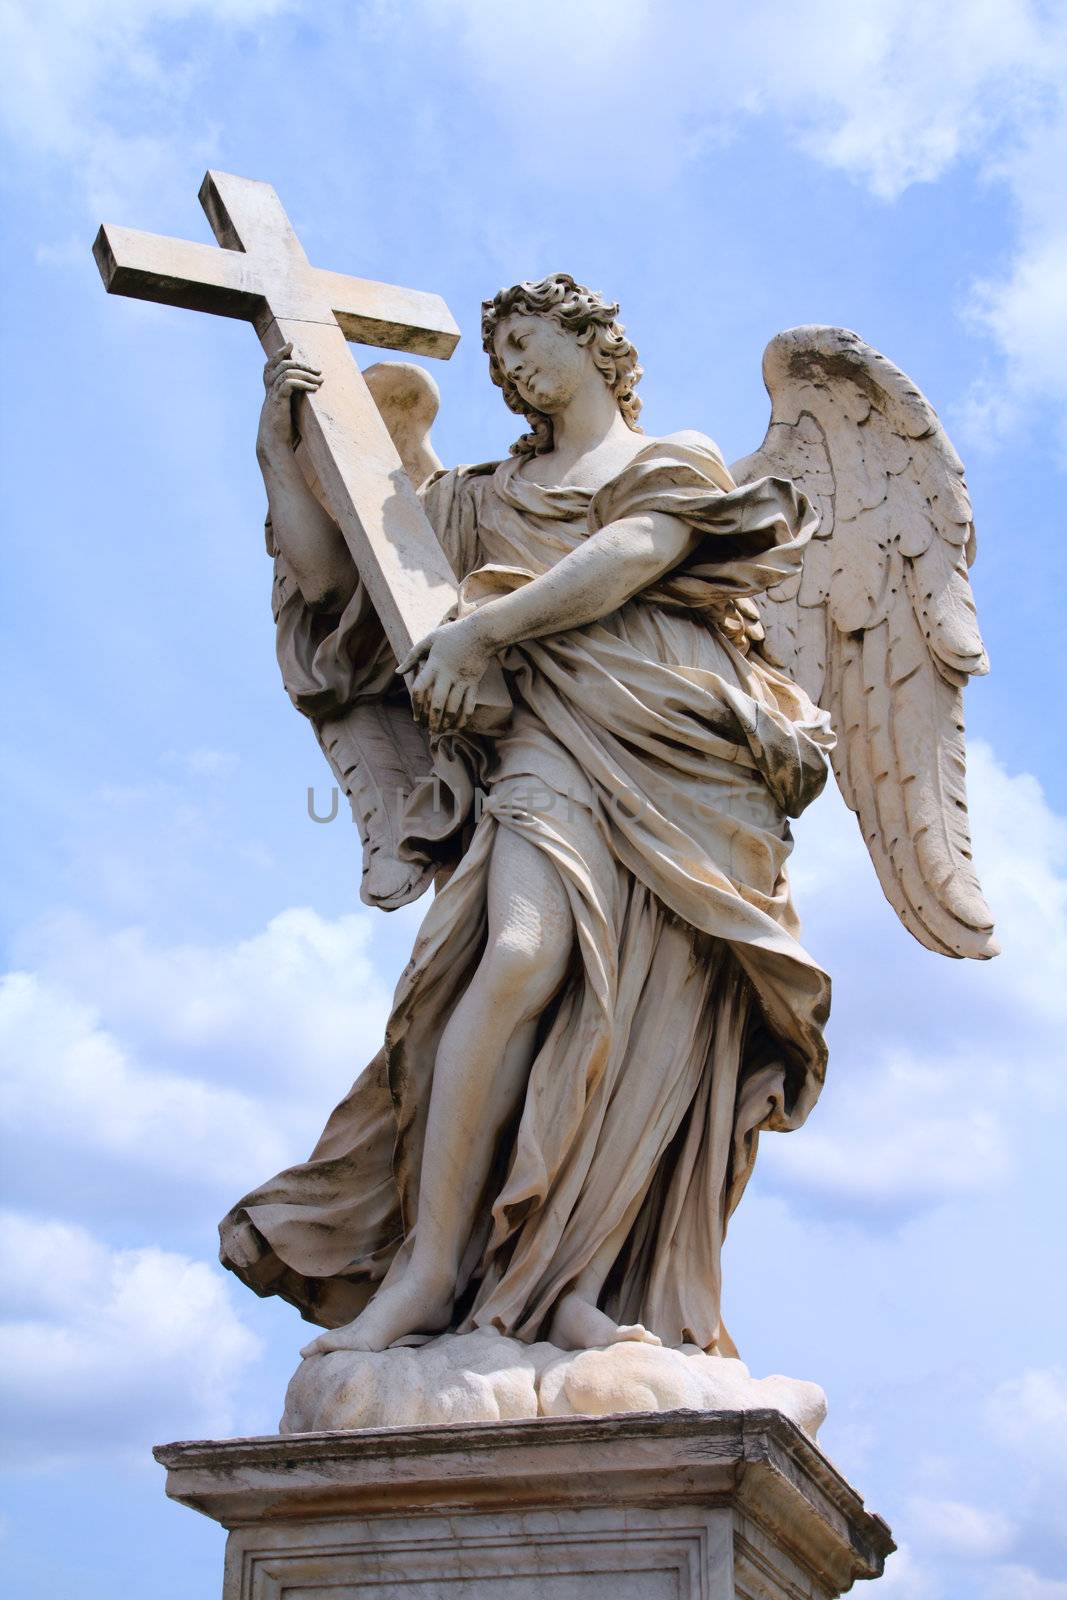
177,272
201,277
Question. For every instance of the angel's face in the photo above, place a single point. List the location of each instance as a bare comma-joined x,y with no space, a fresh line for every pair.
546,364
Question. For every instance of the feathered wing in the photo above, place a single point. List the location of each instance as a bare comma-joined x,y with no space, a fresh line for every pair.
377,751
378,754
880,627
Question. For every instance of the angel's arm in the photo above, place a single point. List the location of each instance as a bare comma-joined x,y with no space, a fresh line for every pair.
306,535
600,575
607,569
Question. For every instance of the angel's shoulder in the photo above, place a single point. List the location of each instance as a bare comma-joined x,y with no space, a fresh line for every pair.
685,455
454,477
450,484
687,445
452,500
690,439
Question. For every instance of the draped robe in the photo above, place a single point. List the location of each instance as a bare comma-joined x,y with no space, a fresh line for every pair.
654,757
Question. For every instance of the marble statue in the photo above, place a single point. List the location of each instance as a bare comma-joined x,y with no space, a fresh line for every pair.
608,1000
580,691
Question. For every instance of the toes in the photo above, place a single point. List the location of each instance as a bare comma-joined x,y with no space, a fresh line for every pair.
327,1343
634,1332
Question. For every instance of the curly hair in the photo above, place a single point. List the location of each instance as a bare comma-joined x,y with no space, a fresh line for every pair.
583,312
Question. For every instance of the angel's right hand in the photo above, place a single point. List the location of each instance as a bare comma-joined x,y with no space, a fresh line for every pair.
285,376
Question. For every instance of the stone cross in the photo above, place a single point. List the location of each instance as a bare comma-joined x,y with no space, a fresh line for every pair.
262,275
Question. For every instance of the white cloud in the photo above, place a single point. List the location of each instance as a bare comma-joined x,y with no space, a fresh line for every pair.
893,93
295,1007
77,69
955,1528
896,94
1025,1422
937,1069
132,1069
987,413
106,1350
1027,311
898,1140
1020,845
70,1083
1020,850
901,94
1023,306
908,1577
1014,1582
1028,1413
902,91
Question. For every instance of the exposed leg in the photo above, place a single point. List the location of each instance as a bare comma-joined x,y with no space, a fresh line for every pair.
481,1070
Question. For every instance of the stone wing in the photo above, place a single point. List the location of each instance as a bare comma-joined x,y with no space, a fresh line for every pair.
408,399
880,626
379,755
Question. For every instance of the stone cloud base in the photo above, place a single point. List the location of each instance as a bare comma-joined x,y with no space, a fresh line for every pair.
485,1377
661,1506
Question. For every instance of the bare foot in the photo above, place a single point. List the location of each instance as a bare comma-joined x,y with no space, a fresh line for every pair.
411,1305
577,1325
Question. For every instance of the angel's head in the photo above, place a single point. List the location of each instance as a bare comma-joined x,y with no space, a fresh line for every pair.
542,338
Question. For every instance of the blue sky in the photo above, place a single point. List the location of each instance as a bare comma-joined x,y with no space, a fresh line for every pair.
192,981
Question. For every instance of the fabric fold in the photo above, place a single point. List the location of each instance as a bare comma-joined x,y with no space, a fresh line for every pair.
654,758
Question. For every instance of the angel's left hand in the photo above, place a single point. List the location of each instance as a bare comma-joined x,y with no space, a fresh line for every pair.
453,659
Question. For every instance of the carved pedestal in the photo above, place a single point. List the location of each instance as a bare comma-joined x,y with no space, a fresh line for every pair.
685,1505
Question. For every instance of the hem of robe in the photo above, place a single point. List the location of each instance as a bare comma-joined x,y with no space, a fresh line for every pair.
324,1245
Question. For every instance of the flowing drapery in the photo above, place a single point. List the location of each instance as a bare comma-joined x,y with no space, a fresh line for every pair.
654,757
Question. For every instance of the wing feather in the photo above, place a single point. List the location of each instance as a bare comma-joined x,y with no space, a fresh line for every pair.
882,630
379,754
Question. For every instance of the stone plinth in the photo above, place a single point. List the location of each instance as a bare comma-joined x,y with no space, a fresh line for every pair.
685,1505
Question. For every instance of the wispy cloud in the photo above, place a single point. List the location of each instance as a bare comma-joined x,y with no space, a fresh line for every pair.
902,95
79,73
900,1138
934,1097
106,1351
1028,1413
164,1067
955,1528
896,95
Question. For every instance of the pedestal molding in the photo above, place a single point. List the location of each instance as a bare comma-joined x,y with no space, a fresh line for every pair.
757,1465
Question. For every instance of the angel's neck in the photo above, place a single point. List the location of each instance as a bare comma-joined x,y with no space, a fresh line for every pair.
590,427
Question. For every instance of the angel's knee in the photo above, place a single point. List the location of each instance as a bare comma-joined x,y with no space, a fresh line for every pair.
524,966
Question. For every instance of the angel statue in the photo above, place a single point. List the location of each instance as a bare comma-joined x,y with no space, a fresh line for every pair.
608,1000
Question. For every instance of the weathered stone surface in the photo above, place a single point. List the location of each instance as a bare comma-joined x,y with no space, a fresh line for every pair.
608,1001
688,1506
644,659
484,1377
626,884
